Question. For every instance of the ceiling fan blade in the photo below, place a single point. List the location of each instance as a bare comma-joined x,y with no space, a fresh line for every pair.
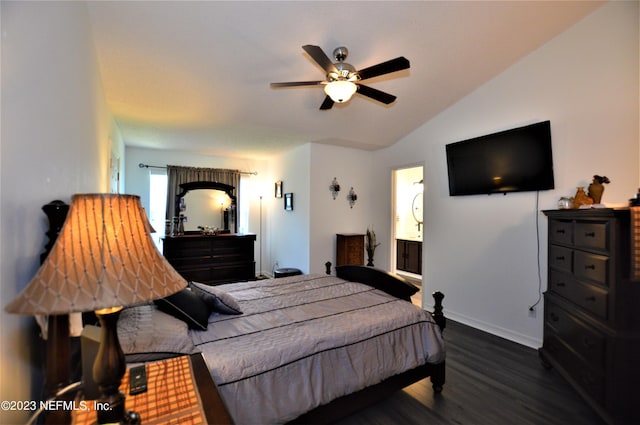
376,94
393,65
297,83
327,104
321,58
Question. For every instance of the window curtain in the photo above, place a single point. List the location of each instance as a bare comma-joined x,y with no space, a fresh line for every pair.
176,175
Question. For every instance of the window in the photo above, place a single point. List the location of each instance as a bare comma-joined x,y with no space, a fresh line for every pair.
158,205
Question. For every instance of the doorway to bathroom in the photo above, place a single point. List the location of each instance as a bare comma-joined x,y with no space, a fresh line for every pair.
408,222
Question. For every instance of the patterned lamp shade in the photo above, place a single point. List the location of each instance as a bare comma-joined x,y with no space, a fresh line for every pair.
104,257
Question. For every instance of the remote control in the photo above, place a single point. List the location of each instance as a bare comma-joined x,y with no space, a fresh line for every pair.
137,380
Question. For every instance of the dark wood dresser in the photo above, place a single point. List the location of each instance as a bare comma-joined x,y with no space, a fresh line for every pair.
349,249
212,259
409,256
592,310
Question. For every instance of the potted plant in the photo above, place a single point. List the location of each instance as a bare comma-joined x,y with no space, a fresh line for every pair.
370,245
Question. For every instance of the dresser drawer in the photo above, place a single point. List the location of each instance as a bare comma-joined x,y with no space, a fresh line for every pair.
591,266
233,252
561,231
592,235
580,337
181,263
561,258
195,274
592,381
589,297
186,247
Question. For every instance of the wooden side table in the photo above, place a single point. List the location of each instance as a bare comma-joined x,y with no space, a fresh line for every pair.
180,390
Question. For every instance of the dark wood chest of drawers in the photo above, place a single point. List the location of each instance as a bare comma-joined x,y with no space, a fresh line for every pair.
592,310
349,249
212,259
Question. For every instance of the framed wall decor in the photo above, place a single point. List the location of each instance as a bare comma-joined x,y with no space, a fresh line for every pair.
288,201
278,192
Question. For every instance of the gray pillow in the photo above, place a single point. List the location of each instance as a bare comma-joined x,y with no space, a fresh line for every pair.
219,300
147,334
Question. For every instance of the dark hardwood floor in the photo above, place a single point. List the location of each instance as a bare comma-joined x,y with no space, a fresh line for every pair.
489,381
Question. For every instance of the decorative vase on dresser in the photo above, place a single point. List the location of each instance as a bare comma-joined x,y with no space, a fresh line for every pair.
581,198
592,315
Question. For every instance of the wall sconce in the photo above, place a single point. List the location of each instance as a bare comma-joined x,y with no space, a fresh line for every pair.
334,188
352,197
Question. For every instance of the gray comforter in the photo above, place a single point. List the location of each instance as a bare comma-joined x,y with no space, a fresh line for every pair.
303,341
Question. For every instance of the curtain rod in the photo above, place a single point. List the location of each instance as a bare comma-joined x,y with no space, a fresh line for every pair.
141,165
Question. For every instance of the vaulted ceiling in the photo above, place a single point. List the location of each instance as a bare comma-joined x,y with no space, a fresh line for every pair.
194,75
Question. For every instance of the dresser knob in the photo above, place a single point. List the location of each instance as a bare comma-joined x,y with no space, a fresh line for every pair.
590,266
590,234
561,284
591,298
560,258
560,231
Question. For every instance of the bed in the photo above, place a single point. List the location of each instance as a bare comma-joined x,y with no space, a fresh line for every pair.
300,349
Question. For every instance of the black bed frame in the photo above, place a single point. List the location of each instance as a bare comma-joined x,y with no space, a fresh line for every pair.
351,403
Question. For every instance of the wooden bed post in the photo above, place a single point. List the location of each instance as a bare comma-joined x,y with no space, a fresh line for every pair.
438,316
438,371
58,343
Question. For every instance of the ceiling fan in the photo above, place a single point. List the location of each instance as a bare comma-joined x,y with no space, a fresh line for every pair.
343,80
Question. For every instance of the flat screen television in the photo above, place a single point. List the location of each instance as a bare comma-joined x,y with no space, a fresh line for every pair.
516,160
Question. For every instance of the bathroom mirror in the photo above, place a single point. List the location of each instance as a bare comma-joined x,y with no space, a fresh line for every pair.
416,209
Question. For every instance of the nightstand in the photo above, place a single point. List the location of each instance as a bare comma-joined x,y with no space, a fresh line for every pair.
180,390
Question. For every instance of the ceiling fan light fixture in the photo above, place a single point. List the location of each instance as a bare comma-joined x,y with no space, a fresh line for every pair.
340,91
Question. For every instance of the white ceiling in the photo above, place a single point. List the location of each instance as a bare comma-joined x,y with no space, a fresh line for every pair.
195,75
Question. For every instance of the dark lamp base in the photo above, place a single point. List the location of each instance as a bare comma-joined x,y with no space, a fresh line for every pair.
109,368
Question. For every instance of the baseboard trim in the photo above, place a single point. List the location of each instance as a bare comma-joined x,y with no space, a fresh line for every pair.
494,330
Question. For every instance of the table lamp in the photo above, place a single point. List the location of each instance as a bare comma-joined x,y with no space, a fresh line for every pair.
103,260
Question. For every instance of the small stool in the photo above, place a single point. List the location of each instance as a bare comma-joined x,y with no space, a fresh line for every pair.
286,271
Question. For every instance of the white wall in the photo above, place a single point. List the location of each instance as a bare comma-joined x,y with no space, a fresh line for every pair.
305,238
56,134
287,232
481,251
352,168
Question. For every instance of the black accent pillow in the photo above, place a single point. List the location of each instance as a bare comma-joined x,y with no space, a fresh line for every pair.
188,307
390,283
